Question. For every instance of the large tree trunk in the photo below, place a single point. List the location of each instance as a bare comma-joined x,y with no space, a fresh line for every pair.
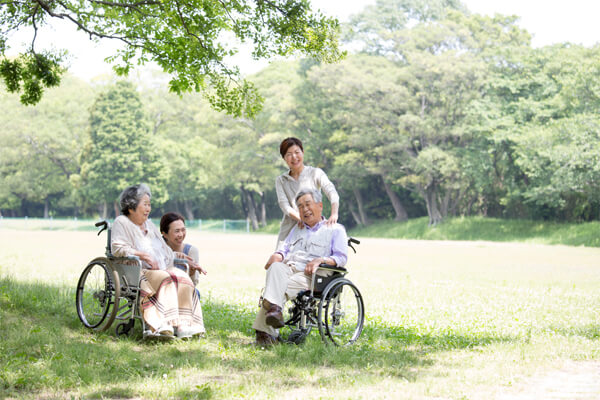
263,209
431,201
188,210
46,209
250,207
401,214
117,209
362,214
104,211
355,215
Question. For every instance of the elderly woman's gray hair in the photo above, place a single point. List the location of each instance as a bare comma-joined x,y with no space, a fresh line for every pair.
131,196
316,195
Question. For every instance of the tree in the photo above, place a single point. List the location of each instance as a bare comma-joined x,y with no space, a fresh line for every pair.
182,127
363,101
188,39
253,145
375,30
547,101
120,150
40,147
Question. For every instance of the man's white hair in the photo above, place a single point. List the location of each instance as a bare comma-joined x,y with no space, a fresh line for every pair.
316,195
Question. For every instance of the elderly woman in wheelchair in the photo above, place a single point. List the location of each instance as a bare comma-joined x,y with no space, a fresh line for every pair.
311,257
137,279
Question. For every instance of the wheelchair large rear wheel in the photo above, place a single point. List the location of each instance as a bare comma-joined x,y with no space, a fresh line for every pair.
341,313
97,296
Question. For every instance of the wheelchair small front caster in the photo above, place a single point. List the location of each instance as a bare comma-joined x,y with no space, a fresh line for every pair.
297,337
124,328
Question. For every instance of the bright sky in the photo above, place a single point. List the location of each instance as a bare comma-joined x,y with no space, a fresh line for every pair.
549,21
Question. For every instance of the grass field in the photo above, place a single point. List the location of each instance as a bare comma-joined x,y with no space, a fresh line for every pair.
445,320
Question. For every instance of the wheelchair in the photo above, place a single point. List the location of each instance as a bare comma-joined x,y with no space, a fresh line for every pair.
333,305
108,290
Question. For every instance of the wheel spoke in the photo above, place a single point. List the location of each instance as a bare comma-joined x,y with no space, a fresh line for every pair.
343,313
95,298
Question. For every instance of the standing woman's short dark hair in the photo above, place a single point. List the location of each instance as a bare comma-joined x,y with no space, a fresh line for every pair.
166,220
287,143
131,196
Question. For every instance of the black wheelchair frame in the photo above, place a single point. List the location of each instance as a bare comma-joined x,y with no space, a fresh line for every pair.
333,304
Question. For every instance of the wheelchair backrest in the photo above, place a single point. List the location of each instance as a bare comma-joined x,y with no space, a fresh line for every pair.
128,268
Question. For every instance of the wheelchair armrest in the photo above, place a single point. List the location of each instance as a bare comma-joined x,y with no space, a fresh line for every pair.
128,258
328,267
182,261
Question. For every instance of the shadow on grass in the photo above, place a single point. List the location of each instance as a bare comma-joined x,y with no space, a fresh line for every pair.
43,346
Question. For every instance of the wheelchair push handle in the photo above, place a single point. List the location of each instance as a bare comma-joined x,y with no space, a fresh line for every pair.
353,240
103,224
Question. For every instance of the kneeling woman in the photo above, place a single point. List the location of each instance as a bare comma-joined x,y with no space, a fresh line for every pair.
169,303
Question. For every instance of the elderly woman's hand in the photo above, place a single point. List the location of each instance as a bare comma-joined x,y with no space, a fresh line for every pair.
148,259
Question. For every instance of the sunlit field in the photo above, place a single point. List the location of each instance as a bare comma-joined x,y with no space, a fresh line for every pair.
444,320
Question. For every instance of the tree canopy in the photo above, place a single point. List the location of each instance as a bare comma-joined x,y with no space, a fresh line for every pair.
190,40
439,113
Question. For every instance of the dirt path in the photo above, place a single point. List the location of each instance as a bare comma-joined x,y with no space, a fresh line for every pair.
574,381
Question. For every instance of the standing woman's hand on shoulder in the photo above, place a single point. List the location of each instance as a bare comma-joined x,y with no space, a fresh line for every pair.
332,219
334,214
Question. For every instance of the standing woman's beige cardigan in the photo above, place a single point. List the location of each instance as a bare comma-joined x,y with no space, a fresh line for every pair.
287,187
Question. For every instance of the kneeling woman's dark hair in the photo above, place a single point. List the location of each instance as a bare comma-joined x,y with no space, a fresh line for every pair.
287,143
166,220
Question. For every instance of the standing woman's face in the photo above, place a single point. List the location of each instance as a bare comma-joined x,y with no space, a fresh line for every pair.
294,157
176,234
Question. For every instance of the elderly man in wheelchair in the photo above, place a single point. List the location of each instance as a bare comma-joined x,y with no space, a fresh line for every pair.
311,250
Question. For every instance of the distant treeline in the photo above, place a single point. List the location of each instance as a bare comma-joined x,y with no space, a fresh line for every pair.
436,113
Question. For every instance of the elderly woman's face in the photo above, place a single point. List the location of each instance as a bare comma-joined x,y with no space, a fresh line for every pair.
294,157
142,211
176,234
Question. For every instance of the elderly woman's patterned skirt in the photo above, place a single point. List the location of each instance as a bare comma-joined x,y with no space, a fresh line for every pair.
169,297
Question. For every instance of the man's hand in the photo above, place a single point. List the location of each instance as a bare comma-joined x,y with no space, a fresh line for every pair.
313,265
275,257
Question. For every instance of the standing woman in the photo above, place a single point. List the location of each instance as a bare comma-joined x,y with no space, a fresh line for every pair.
172,227
300,176
169,303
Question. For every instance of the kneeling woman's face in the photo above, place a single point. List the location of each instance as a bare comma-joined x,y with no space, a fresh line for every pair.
176,234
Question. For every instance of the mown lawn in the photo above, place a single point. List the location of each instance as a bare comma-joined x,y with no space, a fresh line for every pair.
452,320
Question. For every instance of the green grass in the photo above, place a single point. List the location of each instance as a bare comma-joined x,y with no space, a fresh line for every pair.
452,320
490,229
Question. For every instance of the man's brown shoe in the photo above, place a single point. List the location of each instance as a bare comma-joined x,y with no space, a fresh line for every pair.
274,317
264,339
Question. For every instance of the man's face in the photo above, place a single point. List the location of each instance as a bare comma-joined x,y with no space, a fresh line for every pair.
310,211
